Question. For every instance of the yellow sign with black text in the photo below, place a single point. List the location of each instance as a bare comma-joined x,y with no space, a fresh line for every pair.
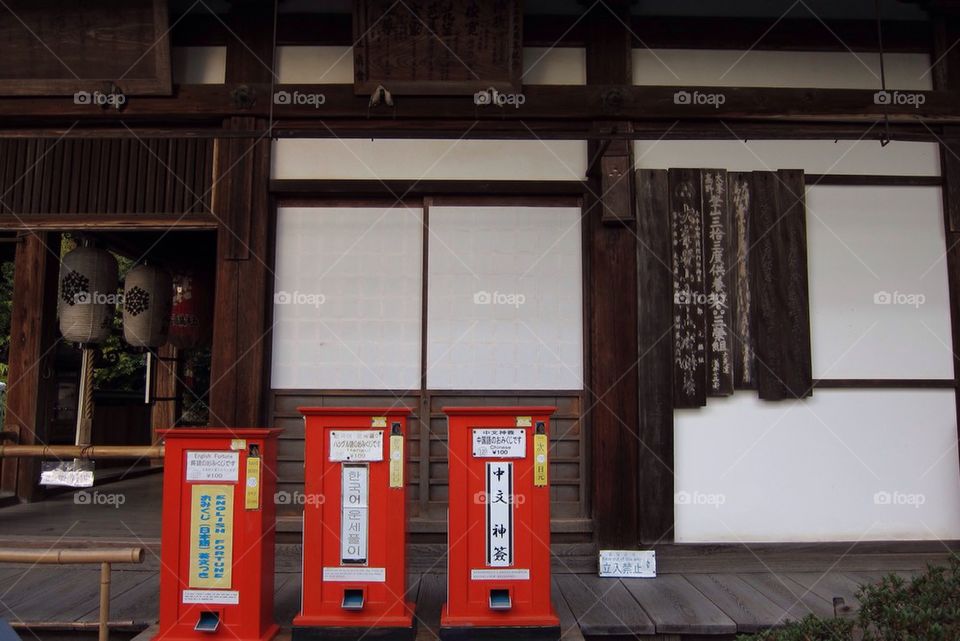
211,536
540,446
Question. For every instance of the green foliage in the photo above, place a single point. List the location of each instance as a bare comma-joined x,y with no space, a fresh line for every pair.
810,628
118,366
926,608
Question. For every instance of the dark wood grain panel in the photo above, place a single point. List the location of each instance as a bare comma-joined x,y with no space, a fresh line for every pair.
654,364
689,330
717,242
58,47
779,278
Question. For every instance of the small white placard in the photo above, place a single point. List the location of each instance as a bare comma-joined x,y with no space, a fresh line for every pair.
212,597
634,564
378,575
499,443
356,445
213,466
513,574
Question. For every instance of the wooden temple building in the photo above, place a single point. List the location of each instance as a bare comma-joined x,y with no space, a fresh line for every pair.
722,239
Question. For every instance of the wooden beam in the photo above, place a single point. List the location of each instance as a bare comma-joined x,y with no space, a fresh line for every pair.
612,305
105,222
32,346
603,102
202,28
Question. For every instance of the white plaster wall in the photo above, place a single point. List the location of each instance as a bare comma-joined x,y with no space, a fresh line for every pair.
504,298
198,65
879,298
314,65
861,157
843,465
384,159
554,66
824,69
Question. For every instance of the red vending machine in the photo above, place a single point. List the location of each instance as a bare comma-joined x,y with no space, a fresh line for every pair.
216,579
354,525
498,575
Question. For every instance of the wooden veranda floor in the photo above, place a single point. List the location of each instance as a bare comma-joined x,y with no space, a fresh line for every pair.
701,591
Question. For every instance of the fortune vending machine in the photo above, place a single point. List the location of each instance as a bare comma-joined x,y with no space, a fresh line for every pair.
354,525
498,575
216,578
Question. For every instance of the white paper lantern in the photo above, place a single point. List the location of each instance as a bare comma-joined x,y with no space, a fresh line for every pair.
147,296
88,294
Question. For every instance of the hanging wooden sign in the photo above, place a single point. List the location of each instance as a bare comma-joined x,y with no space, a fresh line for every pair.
689,328
437,47
780,300
740,185
716,259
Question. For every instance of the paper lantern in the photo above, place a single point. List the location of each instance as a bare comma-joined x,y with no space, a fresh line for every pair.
88,294
147,296
190,315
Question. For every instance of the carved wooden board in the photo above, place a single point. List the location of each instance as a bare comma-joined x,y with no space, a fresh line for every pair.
740,186
689,328
435,47
61,47
717,239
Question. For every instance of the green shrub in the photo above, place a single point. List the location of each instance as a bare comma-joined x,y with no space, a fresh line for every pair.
925,608
810,628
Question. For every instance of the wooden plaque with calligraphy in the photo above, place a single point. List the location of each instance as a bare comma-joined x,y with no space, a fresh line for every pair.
62,47
437,47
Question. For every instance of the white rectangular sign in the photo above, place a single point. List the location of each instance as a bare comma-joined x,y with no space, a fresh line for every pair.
499,443
378,575
213,466
212,597
500,575
499,499
356,445
354,496
636,564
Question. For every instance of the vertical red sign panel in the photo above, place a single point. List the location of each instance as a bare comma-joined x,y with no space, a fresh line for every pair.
354,525
498,579
216,579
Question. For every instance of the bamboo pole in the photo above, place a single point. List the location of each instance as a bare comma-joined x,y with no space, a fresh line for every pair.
104,633
82,451
72,555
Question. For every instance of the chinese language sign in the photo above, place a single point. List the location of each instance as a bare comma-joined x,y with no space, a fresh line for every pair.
499,500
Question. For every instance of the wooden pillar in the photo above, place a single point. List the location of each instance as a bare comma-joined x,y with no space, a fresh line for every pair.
946,77
31,358
242,205
612,278
163,413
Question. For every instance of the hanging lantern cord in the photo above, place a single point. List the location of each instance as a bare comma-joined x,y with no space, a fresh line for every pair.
85,411
885,136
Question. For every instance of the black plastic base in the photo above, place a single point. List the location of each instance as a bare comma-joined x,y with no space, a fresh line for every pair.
499,633
305,633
